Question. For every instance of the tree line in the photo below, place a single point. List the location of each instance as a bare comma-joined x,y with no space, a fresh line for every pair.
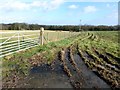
25,26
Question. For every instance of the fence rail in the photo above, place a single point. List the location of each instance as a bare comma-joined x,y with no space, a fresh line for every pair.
11,42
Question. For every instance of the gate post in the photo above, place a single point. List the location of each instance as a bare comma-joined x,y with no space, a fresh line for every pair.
41,35
18,40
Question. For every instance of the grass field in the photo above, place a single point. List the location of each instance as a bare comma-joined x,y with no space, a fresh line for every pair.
103,41
50,35
98,50
23,39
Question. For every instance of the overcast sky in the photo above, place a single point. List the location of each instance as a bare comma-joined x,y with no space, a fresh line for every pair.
60,12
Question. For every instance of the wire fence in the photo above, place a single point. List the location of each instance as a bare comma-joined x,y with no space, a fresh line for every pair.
15,41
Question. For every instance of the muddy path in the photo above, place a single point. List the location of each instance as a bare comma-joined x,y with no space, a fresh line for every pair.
46,76
68,70
102,68
73,67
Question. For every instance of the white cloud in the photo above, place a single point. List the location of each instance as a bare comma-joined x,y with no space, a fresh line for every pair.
73,6
19,5
56,3
90,9
7,6
13,5
49,5
108,5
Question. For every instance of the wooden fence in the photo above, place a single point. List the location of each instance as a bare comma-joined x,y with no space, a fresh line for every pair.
15,41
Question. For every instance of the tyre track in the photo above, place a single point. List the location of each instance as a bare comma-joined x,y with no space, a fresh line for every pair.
110,77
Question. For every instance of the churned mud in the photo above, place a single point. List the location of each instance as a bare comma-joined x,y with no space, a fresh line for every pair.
103,67
67,71
72,68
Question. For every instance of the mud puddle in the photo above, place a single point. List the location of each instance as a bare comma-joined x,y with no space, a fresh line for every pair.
47,76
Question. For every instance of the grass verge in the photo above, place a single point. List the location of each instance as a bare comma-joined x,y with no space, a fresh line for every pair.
20,63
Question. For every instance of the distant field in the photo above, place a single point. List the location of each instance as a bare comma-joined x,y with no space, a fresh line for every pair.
30,30
49,35
14,40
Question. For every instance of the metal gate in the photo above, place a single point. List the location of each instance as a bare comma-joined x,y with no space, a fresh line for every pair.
11,42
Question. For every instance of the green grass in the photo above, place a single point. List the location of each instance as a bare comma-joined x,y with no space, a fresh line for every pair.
106,41
111,36
20,61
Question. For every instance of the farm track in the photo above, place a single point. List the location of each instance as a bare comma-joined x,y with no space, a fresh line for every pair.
106,68
80,76
76,68
109,76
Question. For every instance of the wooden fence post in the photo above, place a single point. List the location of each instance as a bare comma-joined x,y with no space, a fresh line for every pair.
41,36
58,35
47,37
18,40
